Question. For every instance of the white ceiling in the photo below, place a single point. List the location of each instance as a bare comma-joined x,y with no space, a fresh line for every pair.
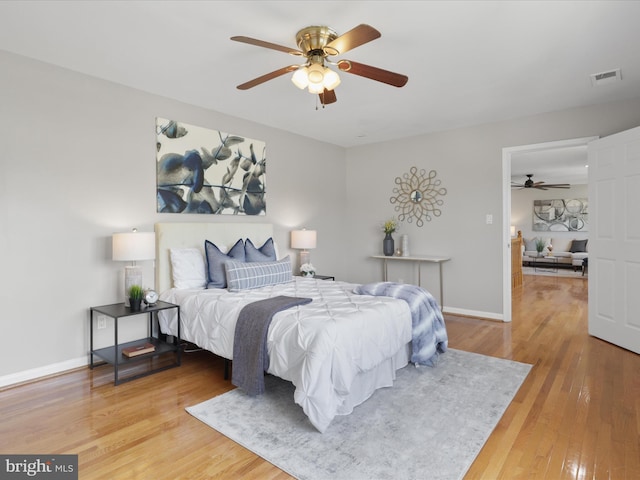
558,165
468,62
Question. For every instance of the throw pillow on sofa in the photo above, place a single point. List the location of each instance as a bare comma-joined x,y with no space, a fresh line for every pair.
561,244
530,245
578,246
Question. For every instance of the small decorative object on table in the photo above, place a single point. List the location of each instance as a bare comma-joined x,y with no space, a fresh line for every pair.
540,244
388,245
135,297
405,245
307,270
138,350
150,296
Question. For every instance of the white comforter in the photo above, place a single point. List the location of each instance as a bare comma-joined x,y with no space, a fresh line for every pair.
320,347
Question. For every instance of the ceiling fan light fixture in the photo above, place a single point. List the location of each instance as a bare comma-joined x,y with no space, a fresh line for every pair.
331,79
316,88
316,78
315,73
300,78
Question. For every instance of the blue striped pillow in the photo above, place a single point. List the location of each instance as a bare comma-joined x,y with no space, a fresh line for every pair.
245,276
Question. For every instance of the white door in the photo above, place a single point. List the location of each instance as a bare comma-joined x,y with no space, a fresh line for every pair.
614,239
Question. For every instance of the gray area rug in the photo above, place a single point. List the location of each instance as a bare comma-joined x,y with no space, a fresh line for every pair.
430,425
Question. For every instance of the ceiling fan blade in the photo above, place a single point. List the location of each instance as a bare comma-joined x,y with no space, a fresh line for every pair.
327,97
353,38
267,77
374,73
558,185
272,46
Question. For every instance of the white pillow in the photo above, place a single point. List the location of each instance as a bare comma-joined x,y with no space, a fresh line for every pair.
188,268
561,244
530,244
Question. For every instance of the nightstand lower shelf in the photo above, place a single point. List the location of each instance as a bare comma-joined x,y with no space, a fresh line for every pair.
113,355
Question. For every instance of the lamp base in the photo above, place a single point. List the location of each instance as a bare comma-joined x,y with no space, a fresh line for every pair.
132,276
305,257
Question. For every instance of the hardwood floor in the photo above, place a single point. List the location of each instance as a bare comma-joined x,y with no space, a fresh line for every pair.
577,414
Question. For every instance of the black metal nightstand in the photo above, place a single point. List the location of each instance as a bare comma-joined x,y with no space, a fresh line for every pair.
113,354
325,277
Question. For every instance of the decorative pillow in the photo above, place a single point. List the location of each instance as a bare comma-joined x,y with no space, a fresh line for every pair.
187,268
530,244
216,260
266,253
245,276
561,244
578,246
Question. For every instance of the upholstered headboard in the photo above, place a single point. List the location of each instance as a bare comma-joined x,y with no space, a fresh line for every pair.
193,235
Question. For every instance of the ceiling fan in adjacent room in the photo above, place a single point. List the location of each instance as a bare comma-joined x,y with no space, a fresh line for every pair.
529,183
316,44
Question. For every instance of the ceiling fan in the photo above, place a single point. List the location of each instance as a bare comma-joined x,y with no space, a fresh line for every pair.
316,44
529,183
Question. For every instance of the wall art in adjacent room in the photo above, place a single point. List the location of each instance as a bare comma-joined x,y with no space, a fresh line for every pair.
562,215
200,170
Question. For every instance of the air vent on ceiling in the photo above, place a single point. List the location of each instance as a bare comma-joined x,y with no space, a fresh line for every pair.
604,78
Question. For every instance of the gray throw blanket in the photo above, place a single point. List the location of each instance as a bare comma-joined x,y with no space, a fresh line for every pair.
250,356
429,332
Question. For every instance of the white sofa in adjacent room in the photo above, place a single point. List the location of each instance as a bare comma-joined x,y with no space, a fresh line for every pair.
568,251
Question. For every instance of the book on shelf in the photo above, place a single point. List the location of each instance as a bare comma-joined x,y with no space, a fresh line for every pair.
138,349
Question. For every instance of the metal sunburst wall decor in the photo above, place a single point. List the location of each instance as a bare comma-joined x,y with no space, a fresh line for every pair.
416,196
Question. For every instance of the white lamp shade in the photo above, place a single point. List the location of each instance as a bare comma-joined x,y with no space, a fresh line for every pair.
315,73
132,246
316,88
299,78
331,79
513,230
303,239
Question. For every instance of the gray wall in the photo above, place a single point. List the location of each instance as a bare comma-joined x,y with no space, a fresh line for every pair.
78,163
469,163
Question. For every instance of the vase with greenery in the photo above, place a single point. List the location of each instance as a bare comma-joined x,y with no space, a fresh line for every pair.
135,297
540,244
388,246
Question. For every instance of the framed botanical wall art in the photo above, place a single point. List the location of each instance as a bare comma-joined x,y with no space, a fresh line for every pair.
200,170
562,215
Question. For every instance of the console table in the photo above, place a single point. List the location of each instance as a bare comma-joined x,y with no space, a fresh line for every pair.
418,260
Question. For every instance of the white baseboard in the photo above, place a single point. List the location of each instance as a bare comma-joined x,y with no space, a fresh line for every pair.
39,372
474,313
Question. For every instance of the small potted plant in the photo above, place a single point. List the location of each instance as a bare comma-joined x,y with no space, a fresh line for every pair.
307,270
540,244
135,297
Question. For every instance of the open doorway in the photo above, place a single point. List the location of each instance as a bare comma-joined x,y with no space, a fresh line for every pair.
543,153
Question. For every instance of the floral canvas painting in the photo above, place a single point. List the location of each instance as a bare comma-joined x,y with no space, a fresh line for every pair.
200,170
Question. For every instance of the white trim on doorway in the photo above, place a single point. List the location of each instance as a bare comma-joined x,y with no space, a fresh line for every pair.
507,154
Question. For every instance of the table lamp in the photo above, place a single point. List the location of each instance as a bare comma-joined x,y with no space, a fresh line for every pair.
303,239
131,247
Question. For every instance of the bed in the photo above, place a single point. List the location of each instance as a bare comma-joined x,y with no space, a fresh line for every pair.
336,350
